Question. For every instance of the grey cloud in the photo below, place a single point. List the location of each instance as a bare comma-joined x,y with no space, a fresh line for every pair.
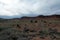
31,8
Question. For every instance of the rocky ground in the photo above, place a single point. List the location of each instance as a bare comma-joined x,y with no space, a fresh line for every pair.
30,28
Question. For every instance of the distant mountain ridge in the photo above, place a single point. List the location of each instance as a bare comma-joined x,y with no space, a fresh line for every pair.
41,16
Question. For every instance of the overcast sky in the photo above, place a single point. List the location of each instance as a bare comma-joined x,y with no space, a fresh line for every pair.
19,8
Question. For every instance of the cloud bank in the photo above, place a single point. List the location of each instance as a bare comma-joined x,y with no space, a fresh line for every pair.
31,8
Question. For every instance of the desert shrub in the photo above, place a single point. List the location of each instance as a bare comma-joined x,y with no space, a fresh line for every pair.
31,21
42,34
1,29
18,26
52,31
25,29
58,33
52,37
32,31
12,37
44,21
36,21
24,36
42,37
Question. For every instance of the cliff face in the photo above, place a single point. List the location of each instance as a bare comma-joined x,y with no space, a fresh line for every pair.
31,28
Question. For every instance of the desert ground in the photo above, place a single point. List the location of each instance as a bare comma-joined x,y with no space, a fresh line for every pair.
30,28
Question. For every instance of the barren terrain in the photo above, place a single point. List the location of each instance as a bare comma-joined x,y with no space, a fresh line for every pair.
30,28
